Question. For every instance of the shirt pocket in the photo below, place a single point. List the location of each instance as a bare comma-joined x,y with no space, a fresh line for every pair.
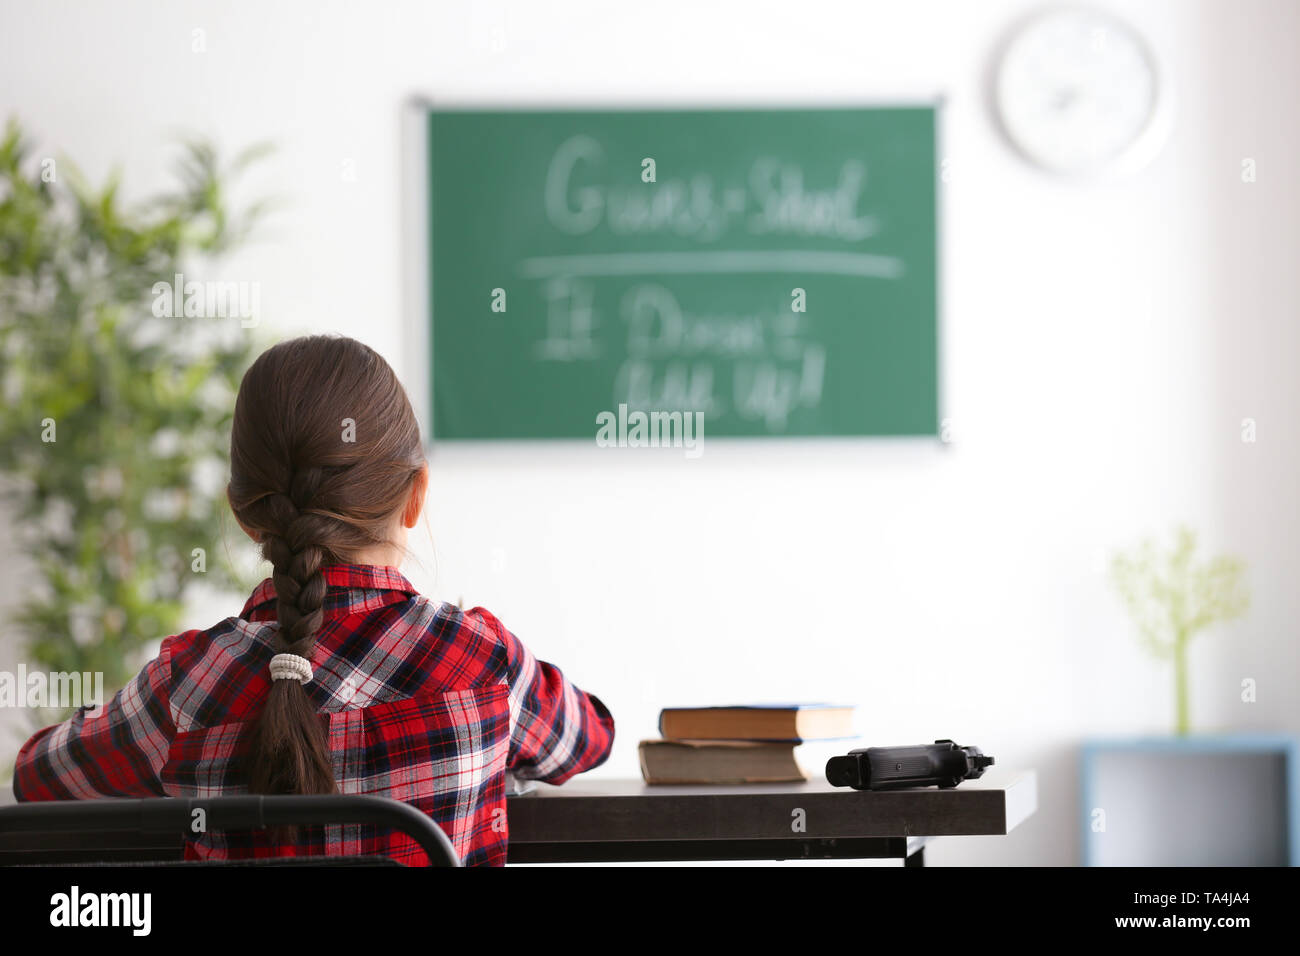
442,752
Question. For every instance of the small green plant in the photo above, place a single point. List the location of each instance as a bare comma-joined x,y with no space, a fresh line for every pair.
1172,598
118,403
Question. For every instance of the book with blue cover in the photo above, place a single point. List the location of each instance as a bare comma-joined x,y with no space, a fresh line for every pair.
785,722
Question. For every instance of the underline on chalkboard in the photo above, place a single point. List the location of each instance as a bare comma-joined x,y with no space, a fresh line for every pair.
658,263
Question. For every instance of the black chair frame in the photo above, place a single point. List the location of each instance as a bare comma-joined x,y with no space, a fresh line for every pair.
172,815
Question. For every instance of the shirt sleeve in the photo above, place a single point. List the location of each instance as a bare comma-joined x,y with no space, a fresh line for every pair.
113,749
556,729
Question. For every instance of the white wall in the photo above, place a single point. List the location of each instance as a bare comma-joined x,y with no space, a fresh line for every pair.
1101,345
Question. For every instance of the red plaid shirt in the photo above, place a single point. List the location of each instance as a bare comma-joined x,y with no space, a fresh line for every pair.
422,702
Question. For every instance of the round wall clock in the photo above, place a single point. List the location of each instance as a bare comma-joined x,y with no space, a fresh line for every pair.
1078,91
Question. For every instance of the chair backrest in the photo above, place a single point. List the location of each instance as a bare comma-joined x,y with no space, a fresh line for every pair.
175,816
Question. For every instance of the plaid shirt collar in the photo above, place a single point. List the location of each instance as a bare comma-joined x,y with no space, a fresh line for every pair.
349,588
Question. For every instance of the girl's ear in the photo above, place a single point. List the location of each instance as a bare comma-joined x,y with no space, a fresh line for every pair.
415,503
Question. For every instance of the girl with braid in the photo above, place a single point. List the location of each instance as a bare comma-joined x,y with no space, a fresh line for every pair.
337,676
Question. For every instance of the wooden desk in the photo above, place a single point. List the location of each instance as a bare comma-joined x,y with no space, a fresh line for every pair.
626,820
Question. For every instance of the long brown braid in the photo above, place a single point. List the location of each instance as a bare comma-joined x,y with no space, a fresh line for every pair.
314,498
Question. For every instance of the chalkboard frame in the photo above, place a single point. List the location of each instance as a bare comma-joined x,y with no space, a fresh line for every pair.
417,225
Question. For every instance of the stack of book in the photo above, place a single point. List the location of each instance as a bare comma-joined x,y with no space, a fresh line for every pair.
745,744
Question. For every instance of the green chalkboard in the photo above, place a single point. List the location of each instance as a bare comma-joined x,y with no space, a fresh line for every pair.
772,269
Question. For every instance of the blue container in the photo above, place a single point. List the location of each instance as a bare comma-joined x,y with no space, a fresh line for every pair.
1199,800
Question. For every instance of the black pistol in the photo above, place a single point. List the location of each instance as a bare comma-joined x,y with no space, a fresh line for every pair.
941,764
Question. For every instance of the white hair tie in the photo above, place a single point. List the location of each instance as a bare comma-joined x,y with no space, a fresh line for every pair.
290,666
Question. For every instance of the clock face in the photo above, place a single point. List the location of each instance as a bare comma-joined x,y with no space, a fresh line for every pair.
1078,92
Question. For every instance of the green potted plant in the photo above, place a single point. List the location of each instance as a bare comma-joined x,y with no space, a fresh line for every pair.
117,405
1172,597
